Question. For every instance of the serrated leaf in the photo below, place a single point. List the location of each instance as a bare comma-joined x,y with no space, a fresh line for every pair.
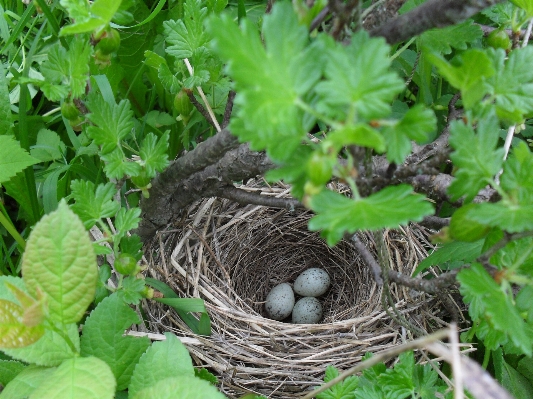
88,20
9,369
390,207
6,119
117,165
513,218
516,178
49,146
205,375
468,72
510,378
168,79
131,290
92,205
475,155
488,302
417,124
114,122
51,349
13,332
359,79
103,337
66,69
187,35
455,36
164,359
153,153
23,385
59,262
463,228
79,377
270,83
182,387
358,134
13,159
526,5
127,219
452,252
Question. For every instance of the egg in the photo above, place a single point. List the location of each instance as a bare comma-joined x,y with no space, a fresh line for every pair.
280,301
312,282
307,310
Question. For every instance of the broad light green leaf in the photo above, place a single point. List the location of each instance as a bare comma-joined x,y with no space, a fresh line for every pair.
50,350
179,387
468,73
526,5
164,359
79,377
452,252
270,83
59,262
455,36
390,207
6,120
475,156
418,124
13,159
87,20
359,79
113,123
92,205
117,165
49,146
13,332
186,35
23,385
153,153
103,338
489,303
9,369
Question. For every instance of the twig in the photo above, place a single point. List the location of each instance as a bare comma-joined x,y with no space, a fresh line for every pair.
246,197
369,259
199,106
456,362
381,357
319,18
212,117
229,108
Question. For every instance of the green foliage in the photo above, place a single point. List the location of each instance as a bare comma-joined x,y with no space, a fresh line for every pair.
13,159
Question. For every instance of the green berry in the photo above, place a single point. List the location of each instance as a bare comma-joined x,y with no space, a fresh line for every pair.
110,42
70,111
319,169
499,39
126,264
182,104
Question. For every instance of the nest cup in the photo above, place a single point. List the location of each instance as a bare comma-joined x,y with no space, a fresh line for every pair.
233,255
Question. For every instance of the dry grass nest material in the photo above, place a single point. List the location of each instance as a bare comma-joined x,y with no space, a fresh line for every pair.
232,256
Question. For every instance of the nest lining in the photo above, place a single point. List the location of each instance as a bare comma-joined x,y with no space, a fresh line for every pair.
232,256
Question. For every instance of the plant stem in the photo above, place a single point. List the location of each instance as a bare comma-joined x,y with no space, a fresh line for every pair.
12,230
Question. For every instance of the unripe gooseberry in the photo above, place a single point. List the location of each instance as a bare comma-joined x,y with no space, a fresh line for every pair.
499,39
110,42
70,111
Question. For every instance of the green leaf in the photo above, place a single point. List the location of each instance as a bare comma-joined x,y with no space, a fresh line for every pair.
49,146
467,72
183,387
66,70
516,178
127,219
271,82
60,263
513,84
13,331
510,217
418,124
79,377
13,159
6,119
97,18
51,349
132,287
164,359
185,304
206,375
455,36
358,134
91,205
463,228
103,338
188,34
452,252
153,153
9,369
342,390
517,384
113,123
390,207
117,165
26,382
489,303
475,156
526,5
168,80
359,79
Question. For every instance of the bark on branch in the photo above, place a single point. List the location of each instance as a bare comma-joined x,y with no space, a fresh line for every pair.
432,14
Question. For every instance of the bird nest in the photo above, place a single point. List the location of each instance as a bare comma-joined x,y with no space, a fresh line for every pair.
232,256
